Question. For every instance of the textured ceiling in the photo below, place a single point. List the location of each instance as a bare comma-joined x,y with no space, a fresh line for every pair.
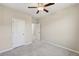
23,7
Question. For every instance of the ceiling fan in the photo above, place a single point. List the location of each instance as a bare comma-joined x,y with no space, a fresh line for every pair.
42,7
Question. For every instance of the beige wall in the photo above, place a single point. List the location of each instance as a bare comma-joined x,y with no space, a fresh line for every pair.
6,15
62,27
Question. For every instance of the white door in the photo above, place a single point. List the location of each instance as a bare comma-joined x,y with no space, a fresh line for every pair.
18,32
37,31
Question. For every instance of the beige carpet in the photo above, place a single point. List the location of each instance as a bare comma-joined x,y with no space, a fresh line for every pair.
38,48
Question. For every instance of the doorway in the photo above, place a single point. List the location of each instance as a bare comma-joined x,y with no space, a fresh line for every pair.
36,31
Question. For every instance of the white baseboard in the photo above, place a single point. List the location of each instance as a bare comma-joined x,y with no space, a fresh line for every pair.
2,51
28,43
58,45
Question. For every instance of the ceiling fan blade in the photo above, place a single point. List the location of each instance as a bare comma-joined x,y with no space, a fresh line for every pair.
37,12
45,10
32,7
49,4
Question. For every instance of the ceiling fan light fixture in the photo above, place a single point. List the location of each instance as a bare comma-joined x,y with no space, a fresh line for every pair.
40,8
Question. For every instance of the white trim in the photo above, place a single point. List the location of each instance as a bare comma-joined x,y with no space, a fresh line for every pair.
61,46
2,51
28,43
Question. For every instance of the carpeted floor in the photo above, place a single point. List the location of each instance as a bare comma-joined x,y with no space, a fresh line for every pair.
38,48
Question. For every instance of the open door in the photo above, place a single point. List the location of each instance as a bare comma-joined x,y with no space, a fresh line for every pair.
36,31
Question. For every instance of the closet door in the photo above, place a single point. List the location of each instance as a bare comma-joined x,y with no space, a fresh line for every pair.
38,31
18,32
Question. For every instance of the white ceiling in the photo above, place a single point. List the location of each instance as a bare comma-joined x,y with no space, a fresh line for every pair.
23,7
